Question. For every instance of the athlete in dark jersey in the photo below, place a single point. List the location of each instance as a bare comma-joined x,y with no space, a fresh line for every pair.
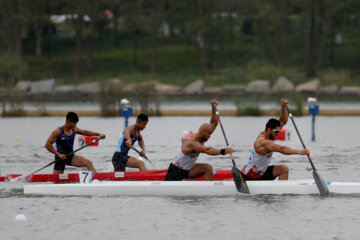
63,137
64,144
128,137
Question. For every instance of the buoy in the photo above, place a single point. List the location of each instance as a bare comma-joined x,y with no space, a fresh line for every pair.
20,218
311,99
283,135
124,101
83,140
16,139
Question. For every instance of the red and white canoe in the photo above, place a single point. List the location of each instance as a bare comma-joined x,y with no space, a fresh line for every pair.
188,188
153,175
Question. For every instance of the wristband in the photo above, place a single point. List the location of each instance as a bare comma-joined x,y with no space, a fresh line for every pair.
222,151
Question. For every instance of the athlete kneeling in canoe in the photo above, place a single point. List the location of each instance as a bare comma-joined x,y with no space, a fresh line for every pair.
184,164
258,167
63,137
128,137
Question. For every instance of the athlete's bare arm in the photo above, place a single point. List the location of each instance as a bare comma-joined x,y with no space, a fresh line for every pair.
283,114
260,147
214,119
194,146
128,132
51,140
89,133
273,147
142,145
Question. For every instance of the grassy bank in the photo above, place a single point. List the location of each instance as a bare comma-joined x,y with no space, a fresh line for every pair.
179,64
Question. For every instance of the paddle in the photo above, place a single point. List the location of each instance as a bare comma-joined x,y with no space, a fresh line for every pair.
238,177
93,141
324,191
144,157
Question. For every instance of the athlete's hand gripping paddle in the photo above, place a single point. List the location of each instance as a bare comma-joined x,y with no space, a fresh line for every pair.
238,177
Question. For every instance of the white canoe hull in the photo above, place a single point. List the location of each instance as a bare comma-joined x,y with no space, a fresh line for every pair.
187,188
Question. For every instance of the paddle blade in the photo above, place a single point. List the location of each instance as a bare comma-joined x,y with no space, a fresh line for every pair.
239,180
324,191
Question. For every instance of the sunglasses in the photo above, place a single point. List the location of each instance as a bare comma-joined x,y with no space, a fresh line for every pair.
275,131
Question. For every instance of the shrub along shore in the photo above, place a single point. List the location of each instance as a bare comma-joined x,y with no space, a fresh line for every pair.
107,94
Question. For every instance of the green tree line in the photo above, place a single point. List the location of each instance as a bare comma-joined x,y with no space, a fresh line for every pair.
301,33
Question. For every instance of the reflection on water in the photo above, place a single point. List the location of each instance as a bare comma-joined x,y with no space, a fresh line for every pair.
271,200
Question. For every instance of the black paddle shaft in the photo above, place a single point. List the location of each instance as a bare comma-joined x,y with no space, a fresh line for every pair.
238,177
144,156
298,133
223,131
324,191
93,141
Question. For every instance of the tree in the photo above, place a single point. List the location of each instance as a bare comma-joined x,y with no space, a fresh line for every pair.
93,12
274,28
38,17
199,22
11,69
12,26
153,16
84,16
224,11
315,11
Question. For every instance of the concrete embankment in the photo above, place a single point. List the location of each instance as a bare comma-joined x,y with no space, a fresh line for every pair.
265,112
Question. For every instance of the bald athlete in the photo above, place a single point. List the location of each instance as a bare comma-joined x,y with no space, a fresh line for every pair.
192,144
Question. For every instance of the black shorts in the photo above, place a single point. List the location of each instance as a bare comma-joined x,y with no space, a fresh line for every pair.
267,176
119,160
60,164
176,174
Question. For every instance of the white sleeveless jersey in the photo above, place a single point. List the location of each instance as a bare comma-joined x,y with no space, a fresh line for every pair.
257,164
186,161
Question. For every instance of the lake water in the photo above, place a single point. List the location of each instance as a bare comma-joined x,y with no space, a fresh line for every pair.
335,154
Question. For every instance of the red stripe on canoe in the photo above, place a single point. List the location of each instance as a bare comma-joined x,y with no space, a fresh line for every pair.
153,175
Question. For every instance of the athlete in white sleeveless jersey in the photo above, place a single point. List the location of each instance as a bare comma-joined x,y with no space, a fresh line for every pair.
184,164
258,163
258,167
186,161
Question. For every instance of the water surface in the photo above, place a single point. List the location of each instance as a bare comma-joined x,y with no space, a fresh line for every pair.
335,154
